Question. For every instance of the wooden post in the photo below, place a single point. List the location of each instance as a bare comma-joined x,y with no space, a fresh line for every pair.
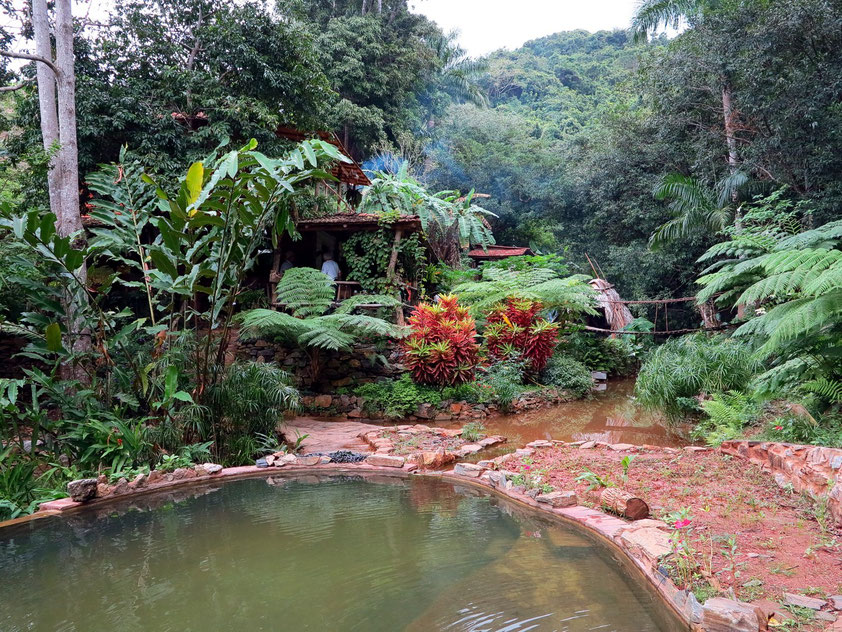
391,273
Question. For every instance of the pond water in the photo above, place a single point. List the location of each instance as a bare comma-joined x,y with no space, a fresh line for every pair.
316,553
612,416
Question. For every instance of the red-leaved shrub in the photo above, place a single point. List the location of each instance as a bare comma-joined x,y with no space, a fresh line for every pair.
441,348
515,327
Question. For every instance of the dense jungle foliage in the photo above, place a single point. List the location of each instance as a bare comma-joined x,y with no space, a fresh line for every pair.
703,164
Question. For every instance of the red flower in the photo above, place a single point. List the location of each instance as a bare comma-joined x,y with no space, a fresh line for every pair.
680,524
779,427
119,442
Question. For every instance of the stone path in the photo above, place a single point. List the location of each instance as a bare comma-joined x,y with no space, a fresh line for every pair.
329,436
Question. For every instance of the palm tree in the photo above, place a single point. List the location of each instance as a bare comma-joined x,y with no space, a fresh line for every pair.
697,207
458,73
652,14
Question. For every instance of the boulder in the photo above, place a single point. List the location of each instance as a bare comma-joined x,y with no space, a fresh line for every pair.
308,460
430,459
651,542
121,487
261,463
467,469
540,443
803,601
82,490
155,476
385,460
725,615
212,468
558,499
322,401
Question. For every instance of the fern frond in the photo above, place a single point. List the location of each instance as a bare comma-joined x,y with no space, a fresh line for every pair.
326,338
350,304
263,322
827,389
306,292
362,324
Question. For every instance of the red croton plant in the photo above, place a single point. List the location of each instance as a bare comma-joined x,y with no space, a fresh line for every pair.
515,327
441,348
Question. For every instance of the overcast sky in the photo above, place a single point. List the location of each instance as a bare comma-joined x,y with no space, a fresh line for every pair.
486,25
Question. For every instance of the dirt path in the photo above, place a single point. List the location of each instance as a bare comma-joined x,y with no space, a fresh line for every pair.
329,436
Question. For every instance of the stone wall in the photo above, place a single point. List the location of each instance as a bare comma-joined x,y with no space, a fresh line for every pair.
364,363
808,468
351,407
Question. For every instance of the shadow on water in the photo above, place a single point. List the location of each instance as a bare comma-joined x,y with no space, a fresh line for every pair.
318,553
612,416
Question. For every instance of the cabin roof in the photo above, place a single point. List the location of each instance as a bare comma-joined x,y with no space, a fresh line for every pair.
346,172
357,221
498,252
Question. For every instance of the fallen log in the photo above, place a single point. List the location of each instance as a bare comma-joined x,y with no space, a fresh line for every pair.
624,504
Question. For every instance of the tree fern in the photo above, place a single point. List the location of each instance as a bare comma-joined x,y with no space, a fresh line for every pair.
306,292
572,295
795,284
308,295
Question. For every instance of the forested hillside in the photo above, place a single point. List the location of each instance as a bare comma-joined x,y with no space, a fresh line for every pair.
583,127
570,135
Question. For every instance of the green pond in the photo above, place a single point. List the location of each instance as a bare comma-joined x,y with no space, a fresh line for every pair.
316,553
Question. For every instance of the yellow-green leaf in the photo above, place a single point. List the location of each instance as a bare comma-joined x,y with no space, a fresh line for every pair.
195,176
53,334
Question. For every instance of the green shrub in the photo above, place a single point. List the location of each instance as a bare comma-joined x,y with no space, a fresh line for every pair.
250,399
686,367
726,416
803,429
397,398
473,431
504,381
568,374
614,356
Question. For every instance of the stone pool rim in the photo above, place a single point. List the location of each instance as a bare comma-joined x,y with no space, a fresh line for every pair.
593,524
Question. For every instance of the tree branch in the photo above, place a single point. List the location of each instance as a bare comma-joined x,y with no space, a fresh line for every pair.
16,86
43,60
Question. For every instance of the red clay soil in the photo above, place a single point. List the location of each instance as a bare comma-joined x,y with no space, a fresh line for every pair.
449,440
781,547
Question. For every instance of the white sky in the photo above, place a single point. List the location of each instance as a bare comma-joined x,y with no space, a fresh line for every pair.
486,25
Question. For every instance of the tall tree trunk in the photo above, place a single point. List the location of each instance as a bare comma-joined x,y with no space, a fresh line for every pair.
731,142
47,99
730,136
70,219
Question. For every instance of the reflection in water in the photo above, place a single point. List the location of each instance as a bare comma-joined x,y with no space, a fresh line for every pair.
612,416
343,554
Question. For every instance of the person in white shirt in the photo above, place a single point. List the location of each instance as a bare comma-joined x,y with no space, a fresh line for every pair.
330,267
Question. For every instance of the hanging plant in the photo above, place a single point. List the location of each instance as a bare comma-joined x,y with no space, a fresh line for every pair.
367,257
